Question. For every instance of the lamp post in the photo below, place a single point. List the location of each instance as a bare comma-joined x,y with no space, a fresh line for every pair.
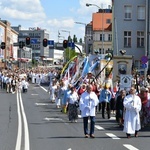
85,40
60,38
88,5
66,31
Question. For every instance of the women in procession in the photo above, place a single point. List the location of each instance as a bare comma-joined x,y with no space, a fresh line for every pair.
144,100
72,104
120,108
105,97
132,110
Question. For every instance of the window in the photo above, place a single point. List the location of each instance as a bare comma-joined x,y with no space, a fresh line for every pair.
140,39
108,21
102,37
141,12
128,12
127,38
100,52
109,37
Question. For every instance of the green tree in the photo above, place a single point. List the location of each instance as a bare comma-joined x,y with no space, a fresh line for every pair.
80,41
69,53
69,38
75,39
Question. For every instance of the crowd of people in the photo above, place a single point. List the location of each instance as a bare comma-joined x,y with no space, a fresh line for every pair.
131,108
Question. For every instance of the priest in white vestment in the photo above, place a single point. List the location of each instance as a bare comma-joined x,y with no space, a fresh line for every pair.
88,102
132,105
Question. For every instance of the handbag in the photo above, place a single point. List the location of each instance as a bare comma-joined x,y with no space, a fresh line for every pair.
76,104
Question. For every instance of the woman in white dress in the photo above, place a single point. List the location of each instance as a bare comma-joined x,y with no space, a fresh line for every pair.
52,90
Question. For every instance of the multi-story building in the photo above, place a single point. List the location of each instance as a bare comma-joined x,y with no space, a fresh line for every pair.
99,32
131,28
9,36
36,36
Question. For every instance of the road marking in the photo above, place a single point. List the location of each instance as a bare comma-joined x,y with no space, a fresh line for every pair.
112,136
43,88
34,94
69,149
130,147
26,129
18,141
52,119
99,127
22,119
112,118
42,104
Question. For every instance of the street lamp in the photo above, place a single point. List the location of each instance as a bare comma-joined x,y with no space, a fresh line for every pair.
66,31
85,34
88,5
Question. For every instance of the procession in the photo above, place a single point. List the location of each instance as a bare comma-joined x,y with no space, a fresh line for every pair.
81,87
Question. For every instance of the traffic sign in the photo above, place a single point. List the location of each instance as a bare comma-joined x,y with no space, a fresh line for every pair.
144,59
71,44
51,42
34,41
144,66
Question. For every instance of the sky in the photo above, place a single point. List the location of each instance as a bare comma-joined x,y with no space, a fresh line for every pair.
53,15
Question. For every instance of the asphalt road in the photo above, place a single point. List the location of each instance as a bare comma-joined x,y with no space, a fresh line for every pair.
39,125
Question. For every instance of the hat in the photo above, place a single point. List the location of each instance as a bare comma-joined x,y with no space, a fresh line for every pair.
90,72
142,89
146,89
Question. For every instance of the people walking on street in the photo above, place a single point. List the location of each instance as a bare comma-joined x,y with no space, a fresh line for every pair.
132,105
52,88
144,100
105,97
72,101
120,107
61,91
88,103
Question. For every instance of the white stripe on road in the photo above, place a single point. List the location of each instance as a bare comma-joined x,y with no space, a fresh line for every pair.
69,149
42,104
18,141
130,147
34,94
26,129
52,119
112,136
43,88
99,127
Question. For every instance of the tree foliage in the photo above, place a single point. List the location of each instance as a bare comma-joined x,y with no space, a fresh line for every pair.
69,53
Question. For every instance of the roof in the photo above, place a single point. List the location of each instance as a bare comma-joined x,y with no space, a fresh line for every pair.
101,21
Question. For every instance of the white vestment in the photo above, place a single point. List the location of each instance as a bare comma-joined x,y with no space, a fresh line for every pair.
132,104
88,102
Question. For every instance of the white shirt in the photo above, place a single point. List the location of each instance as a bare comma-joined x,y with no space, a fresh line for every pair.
88,102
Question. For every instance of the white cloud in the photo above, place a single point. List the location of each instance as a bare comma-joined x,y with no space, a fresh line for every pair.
68,23
24,10
31,13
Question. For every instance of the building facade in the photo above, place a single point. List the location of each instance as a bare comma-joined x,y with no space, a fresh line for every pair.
36,37
131,28
99,32
9,36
